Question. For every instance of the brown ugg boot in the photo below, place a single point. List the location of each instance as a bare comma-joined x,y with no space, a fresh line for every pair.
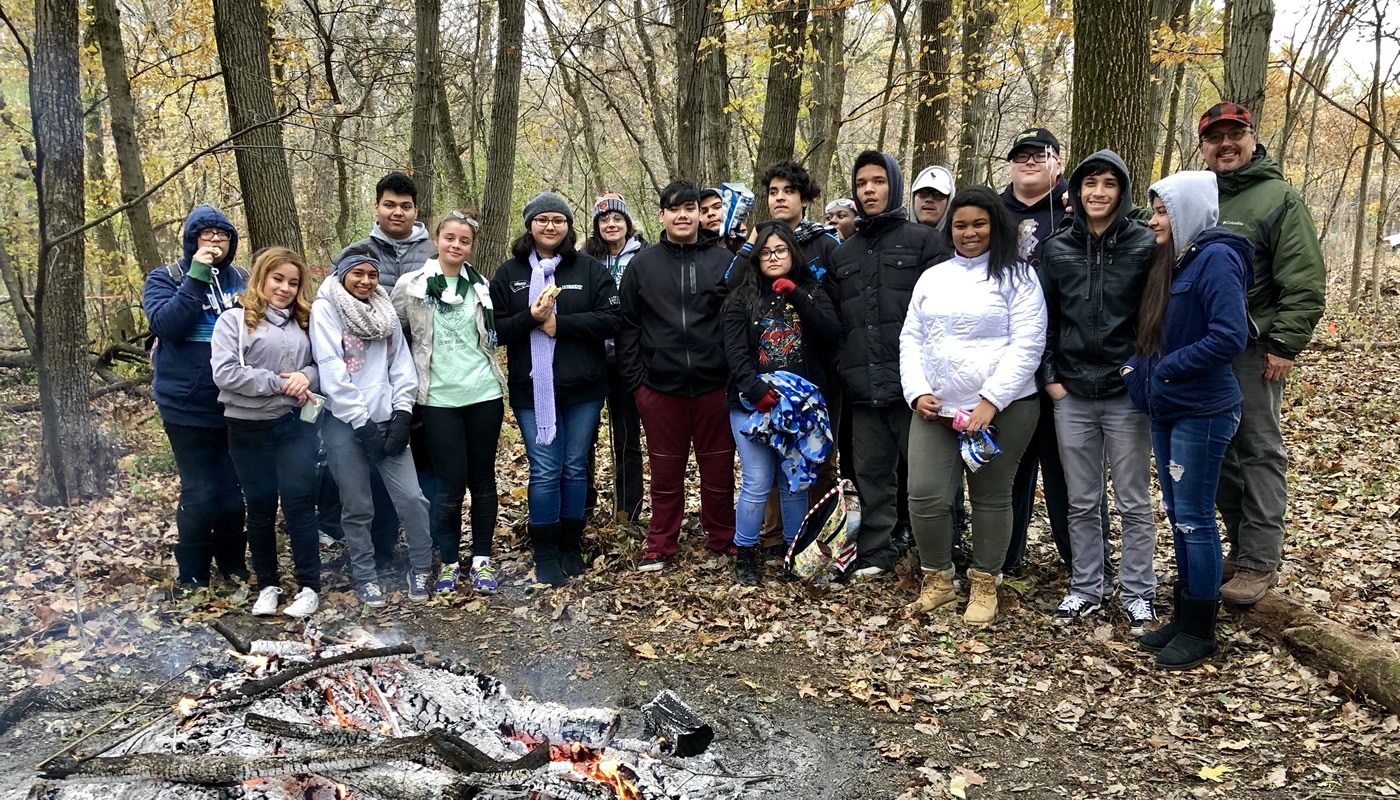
938,591
982,604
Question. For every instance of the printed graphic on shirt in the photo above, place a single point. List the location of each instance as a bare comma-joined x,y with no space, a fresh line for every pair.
1028,240
451,325
779,340
354,349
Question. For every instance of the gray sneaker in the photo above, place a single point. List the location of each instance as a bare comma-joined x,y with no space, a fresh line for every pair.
371,595
418,585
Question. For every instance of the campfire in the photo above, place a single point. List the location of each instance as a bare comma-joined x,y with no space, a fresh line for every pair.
367,721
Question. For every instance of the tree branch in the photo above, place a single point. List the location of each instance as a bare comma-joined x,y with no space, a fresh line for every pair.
28,56
1380,134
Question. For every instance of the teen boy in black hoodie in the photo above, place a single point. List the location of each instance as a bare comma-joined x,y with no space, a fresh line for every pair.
671,353
876,270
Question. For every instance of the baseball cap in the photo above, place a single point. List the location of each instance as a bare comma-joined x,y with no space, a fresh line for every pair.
1034,137
709,191
935,178
1224,112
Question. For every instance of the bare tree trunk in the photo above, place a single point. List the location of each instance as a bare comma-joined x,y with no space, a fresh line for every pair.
1103,115
786,43
118,320
660,125
691,19
898,8
1359,244
1378,249
451,154
106,25
934,98
1310,147
1247,54
426,80
1176,15
977,25
242,33
75,460
828,78
475,93
500,153
575,90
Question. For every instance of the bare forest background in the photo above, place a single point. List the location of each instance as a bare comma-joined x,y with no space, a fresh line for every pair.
117,116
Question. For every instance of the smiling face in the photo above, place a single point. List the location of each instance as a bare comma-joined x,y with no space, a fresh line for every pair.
361,280
681,223
454,242
1160,224
1099,195
549,230
784,202
612,228
281,285
1034,170
1227,146
710,212
396,214
972,231
872,189
929,205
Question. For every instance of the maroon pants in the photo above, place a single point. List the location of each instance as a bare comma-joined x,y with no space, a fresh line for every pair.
673,423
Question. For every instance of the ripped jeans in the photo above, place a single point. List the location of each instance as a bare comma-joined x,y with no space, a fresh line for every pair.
1189,453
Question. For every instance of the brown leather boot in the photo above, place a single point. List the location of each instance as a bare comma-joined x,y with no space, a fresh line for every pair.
982,604
938,591
1227,569
1248,586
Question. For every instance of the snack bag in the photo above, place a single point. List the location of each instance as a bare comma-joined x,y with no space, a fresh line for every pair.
737,201
978,448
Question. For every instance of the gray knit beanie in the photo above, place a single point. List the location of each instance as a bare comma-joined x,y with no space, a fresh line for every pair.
547,201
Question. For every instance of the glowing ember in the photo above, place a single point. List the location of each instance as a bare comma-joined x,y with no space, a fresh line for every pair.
255,664
342,792
186,706
588,763
340,714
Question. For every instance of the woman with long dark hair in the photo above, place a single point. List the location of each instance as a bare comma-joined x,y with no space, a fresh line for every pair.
555,307
776,318
968,352
1191,325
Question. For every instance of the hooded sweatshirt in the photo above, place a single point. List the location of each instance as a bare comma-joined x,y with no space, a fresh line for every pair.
1093,287
942,177
1037,220
875,272
182,312
397,257
248,367
374,380
1205,326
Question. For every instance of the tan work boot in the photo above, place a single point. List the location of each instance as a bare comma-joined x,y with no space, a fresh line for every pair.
1227,569
1248,586
982,604
938,591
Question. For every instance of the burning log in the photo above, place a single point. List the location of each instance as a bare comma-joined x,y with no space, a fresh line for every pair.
676,726
251,690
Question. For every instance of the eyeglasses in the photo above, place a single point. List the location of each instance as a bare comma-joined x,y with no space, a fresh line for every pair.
551,222
1038,156
776,253
214,235
1234,135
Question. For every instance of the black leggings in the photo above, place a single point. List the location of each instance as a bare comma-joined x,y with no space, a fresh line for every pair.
462,443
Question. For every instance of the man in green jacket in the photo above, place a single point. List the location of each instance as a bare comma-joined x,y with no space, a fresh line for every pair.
1285,303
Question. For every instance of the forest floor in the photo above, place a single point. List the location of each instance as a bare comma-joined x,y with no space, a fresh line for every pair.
826,691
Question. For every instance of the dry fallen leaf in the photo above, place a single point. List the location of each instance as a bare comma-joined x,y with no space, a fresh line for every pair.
1216,773
644,650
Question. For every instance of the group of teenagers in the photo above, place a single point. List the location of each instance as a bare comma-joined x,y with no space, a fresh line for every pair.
1078,332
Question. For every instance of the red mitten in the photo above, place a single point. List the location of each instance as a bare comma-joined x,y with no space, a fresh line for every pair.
784,286
767,401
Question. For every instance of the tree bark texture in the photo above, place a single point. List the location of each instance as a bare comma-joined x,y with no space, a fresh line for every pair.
934,100
787,40
718,164
451,154
426,86
118,323
500,151
691,19
1174,14
243,37
827,71
1247,54
1113,50
106,24
1359,243
977,25
75,461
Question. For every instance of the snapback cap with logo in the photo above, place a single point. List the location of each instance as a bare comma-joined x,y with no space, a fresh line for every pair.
1034,137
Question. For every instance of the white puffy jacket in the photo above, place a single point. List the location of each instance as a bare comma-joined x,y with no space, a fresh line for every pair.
966,337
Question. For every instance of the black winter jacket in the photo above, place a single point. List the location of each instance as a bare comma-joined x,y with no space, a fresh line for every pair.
1093,286
876,270
587,313
755,344
672,337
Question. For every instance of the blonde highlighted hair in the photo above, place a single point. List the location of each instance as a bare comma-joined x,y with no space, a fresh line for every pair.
255,302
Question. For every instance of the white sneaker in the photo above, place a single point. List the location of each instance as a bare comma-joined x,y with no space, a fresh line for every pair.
266,605
869,572
303,605
326,540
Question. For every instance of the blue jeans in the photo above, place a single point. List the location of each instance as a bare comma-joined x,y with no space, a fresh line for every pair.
559,470
759,464
1189,453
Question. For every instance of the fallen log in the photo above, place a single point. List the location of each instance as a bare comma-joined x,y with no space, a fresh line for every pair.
1366,665
249,691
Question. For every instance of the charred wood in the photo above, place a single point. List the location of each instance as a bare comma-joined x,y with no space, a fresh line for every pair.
676,726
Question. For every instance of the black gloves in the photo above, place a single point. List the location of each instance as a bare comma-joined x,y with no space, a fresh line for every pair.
372,441
396,438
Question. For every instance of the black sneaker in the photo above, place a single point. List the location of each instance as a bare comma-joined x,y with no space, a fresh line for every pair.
773,555
902,539
1140,615
1073,607
652,562
746,566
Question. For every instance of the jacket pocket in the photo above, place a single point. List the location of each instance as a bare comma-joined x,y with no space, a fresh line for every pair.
1137,384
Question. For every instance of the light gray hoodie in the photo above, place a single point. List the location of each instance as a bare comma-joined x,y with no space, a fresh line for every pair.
248,366
370,384
1192,202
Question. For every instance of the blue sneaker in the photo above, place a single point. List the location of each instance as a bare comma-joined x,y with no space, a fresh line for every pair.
484,578
417,586
371,595
447,579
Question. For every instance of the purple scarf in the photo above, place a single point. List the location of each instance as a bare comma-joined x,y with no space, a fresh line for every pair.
542,353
